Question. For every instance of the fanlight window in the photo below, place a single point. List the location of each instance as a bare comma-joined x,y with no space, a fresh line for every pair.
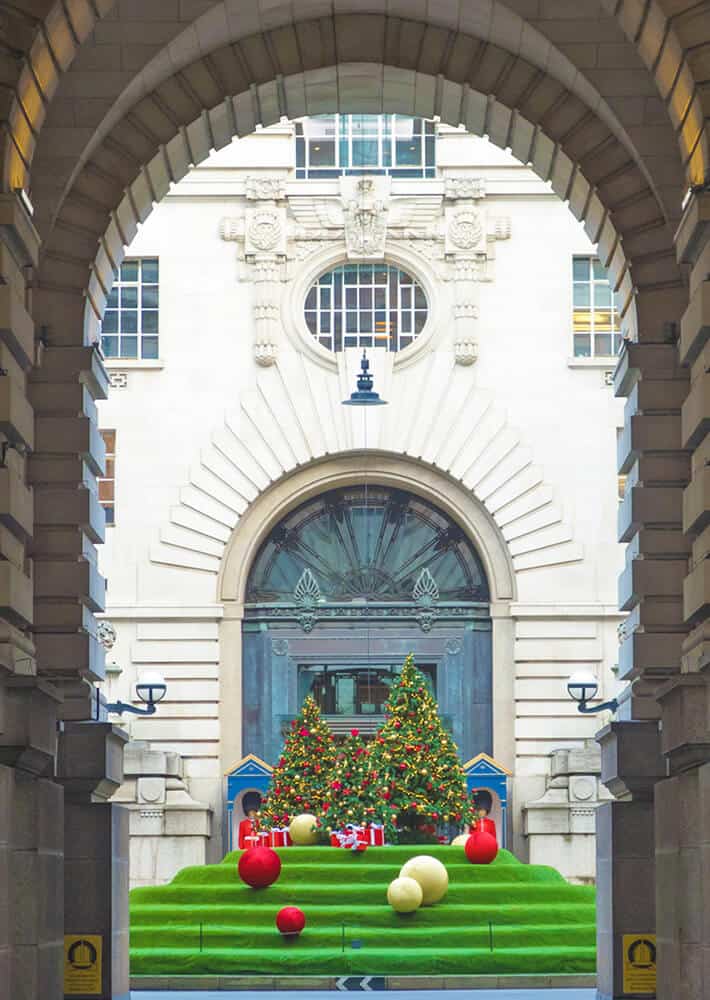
366,305
375,544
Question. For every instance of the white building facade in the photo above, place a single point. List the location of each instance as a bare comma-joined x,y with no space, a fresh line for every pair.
267,541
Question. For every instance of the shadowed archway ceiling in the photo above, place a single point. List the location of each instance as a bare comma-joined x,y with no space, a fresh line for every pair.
100,88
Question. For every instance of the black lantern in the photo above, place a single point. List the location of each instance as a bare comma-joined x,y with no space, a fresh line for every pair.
364,396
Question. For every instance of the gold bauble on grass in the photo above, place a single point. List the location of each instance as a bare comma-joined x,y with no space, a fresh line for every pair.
302,830
431,875
404,895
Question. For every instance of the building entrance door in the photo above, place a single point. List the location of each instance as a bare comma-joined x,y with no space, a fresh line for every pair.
342,590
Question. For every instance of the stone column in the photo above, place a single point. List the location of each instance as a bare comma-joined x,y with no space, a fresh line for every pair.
230,684
31,834
90,767
682,812
631,765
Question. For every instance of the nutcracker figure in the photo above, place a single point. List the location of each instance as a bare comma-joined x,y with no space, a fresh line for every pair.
482,805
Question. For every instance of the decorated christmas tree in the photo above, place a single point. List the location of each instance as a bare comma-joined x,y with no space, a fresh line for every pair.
299,783
420,781
353,796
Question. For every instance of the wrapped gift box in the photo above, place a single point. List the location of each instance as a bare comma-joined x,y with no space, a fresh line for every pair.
356,838
376,834
279,837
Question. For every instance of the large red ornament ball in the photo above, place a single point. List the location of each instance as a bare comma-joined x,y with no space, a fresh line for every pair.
259,867
481,848
290,920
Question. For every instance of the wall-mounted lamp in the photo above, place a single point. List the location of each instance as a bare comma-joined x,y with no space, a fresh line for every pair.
582,687
150,688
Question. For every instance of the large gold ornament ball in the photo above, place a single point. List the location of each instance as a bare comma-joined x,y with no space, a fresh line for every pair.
302,830
460,841
404,895
431,875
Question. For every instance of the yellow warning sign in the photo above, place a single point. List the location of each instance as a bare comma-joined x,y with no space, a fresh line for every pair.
640,964
82,965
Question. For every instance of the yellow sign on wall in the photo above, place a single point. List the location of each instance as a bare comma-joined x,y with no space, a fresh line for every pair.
640,964
82,964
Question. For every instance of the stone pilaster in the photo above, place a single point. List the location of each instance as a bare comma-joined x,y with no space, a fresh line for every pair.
90,767
632,764
682,812
69,521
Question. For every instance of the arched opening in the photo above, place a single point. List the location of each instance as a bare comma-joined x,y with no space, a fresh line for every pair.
544,104
341,590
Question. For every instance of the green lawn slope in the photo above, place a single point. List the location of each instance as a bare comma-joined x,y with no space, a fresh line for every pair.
539,923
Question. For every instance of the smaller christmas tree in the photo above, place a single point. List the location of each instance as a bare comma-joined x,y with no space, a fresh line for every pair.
299,783
352,785
420,781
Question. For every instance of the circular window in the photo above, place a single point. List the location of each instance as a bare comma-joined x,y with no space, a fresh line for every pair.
365,305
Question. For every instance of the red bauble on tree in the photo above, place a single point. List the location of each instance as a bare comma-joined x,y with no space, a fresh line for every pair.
259,867
290,921
481,848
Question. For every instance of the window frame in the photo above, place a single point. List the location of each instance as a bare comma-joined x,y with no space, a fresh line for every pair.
345,133
592,281
110,502
114,305
328,318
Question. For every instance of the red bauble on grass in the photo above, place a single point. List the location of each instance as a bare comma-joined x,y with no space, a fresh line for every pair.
259,867
290,921
481,848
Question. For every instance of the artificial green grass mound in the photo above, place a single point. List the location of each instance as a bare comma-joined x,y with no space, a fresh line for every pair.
503,918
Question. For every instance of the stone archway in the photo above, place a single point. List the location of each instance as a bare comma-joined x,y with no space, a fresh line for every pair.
352,469
638,178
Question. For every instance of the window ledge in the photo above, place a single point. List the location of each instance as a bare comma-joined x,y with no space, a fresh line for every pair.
133,364
605,363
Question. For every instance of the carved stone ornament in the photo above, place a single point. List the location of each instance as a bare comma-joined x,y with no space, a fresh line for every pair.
465,187
466,230
264,230
465,350
365,207
106,634
231,229
501,228
265,188
265,352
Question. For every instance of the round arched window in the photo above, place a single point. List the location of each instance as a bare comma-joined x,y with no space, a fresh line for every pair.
365,305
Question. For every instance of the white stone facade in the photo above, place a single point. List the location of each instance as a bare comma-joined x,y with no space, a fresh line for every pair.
489,415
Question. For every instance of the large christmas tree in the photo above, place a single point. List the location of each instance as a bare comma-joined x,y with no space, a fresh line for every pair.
299,783
420,781
352,792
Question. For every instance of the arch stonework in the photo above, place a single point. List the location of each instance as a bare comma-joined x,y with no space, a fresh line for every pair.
395,470
545,81
294,418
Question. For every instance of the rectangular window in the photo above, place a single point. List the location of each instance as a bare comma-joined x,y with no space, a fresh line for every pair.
130,323
353,689
596,328
333,145
107,485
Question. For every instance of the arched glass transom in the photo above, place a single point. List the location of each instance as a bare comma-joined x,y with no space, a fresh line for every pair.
365,305
372,544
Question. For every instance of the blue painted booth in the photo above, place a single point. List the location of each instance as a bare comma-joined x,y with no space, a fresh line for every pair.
249,778
483,774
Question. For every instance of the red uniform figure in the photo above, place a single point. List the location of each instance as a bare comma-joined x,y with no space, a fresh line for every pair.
248,837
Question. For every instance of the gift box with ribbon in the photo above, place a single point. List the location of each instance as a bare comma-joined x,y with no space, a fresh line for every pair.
354,837
279,837
376,834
